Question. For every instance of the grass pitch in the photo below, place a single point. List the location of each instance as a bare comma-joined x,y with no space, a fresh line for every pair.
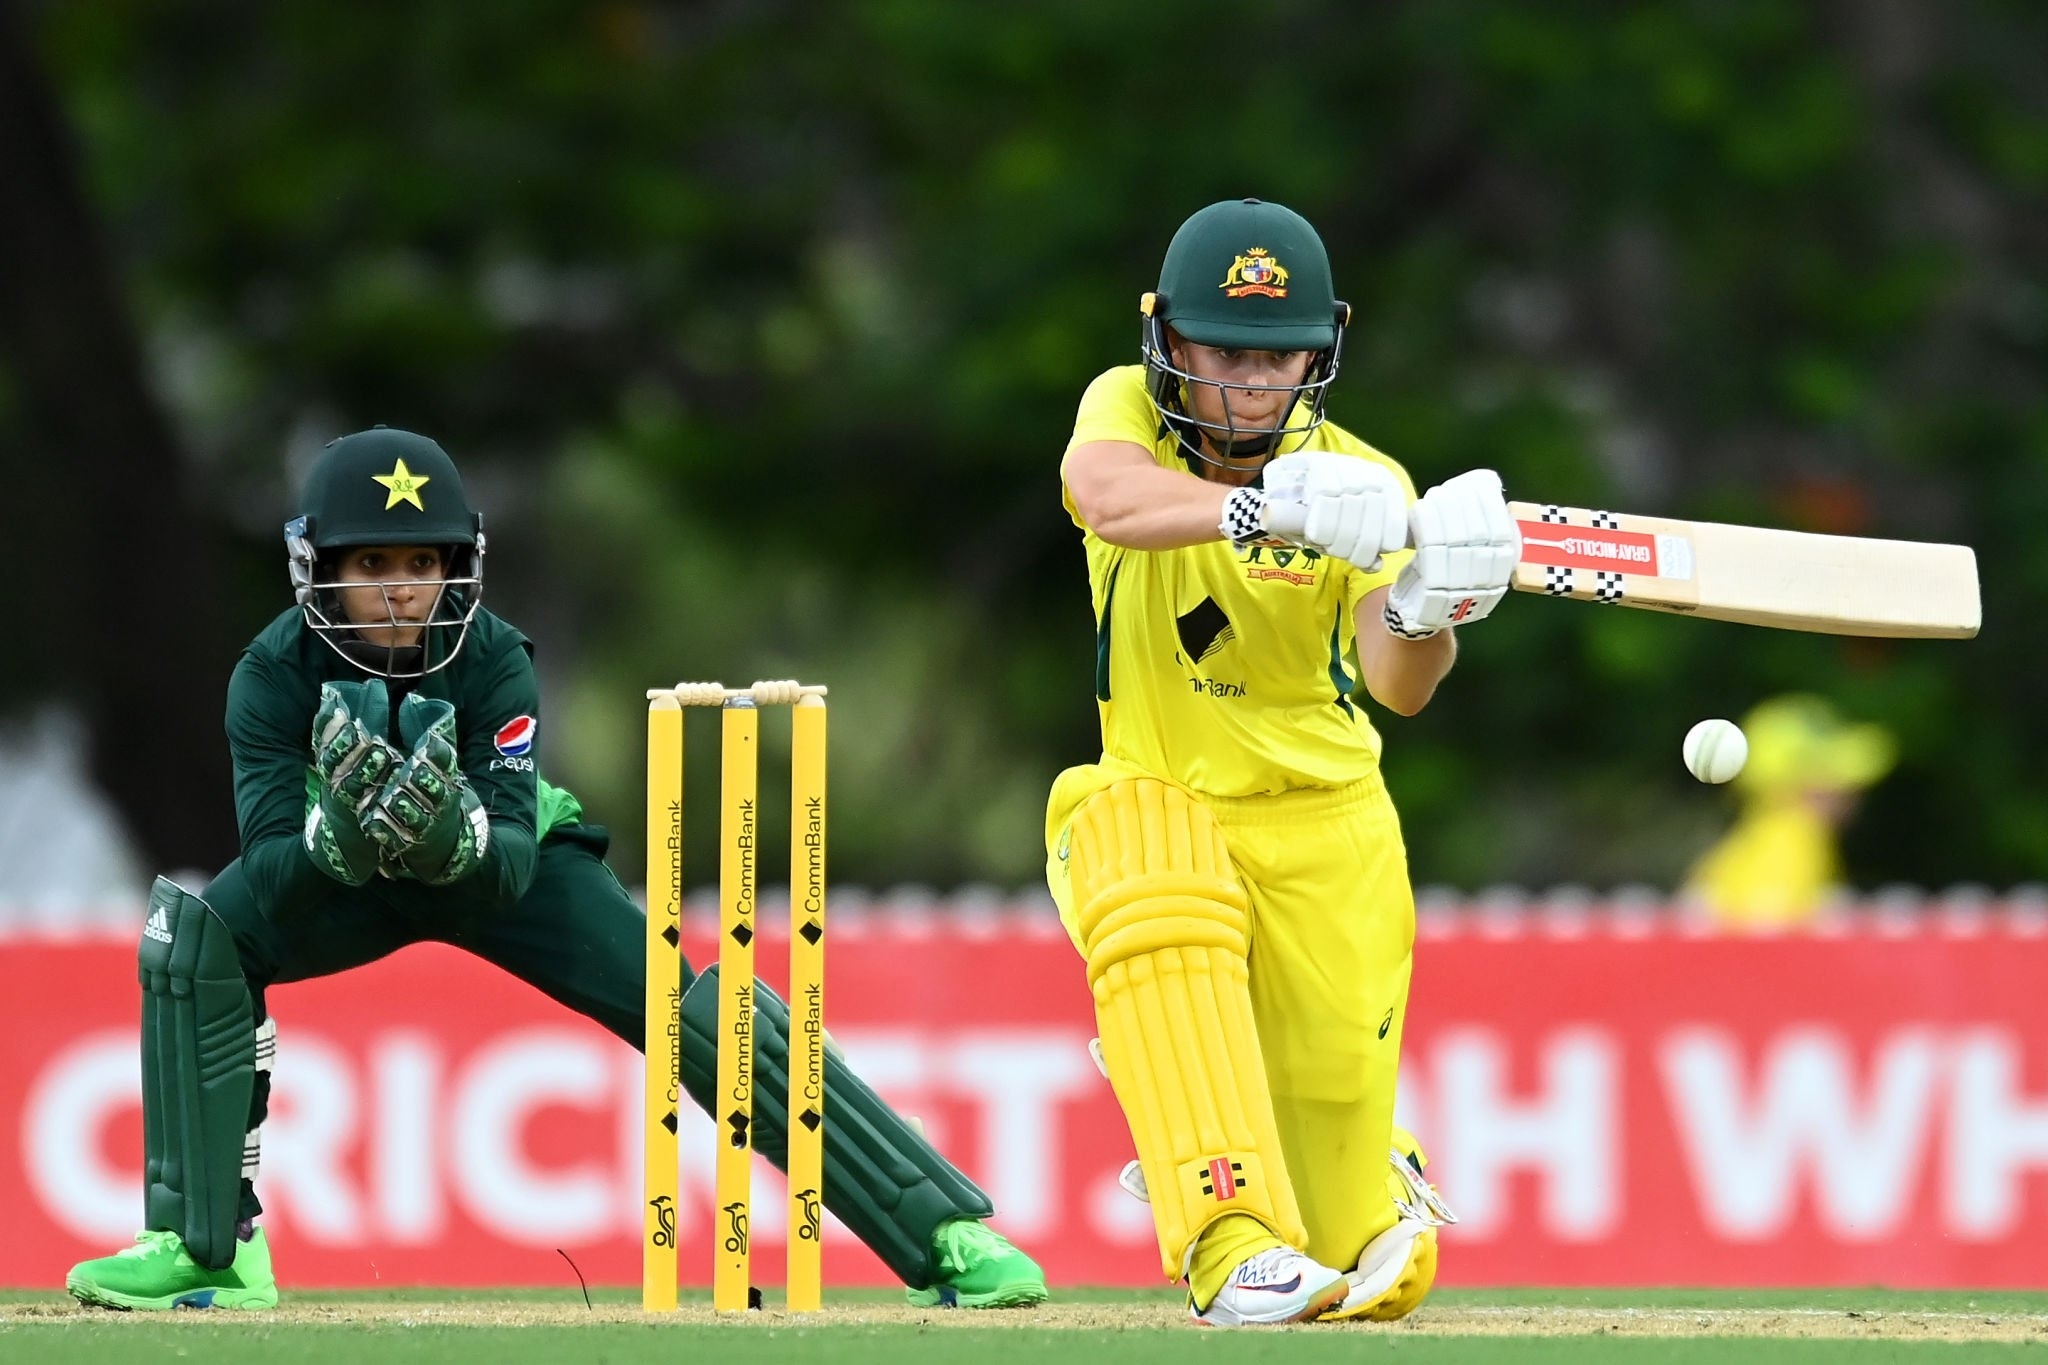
867,1328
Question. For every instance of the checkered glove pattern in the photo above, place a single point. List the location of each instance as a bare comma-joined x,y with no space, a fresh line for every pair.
1349,507
1243,520
1395,625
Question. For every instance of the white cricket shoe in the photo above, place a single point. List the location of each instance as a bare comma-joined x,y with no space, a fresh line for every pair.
1280,1285
1394,1266
1398,1267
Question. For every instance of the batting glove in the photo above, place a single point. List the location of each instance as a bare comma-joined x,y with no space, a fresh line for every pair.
1352,508
1466,548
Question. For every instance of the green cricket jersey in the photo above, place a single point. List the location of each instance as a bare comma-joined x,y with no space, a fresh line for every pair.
271,702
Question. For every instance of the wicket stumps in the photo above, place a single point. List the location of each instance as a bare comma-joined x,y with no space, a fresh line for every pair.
739,781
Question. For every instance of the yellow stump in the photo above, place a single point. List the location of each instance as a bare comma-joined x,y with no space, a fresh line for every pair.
738,782
806,1004
663,1024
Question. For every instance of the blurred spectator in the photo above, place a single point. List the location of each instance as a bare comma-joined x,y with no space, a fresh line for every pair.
65,860
1807,770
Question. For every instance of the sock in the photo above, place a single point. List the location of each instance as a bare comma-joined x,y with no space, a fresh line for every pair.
1226,1244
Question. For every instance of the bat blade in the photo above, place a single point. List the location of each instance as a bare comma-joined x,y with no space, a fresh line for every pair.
1791,580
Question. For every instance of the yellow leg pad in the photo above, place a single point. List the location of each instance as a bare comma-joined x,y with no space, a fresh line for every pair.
1166,929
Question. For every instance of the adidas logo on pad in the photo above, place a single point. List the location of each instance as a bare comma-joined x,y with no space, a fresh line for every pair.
159,926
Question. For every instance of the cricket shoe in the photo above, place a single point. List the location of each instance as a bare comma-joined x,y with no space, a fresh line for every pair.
1398,1267
1277,1285
157,1273
978,1267
1394,1274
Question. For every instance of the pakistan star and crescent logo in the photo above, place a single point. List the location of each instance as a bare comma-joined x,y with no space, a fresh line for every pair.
403,486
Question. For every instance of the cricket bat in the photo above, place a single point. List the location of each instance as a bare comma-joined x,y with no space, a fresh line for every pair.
1793,580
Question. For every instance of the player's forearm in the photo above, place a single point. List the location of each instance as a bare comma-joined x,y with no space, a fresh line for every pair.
271,805
1401,675
1140,505
506,873
281,873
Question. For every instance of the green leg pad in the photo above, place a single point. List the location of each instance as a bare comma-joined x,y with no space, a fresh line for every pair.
882,1179
198,1073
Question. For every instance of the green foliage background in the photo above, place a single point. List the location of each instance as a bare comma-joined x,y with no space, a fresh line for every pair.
759,324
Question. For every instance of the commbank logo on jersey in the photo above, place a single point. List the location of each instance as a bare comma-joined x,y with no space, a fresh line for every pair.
1204,630
515,736
1255,272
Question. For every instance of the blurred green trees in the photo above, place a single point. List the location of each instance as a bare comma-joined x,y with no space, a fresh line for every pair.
759,326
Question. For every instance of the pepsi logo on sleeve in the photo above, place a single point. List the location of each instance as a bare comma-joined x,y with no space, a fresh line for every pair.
515,737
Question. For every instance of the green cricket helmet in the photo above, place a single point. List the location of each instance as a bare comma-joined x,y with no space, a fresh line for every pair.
387,487
1250,276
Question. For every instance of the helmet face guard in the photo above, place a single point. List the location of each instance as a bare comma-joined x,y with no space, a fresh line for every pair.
439,637
1173,390
1250,276
386,487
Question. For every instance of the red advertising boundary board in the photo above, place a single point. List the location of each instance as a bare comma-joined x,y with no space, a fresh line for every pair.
1602,1107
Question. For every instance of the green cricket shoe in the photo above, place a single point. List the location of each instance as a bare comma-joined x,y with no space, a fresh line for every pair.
980,1268
157,1273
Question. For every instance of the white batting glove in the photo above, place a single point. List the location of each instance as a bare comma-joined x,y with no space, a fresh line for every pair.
1466,547
1351,508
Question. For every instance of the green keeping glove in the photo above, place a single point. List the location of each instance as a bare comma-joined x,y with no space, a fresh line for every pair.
351,760
427,818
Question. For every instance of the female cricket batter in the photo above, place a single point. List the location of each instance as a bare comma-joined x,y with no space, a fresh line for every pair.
1232,870
387,783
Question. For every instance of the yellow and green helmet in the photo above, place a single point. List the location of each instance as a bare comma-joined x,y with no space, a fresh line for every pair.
386,487
1243,275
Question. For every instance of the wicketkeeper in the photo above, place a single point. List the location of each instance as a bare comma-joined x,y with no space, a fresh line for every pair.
386,739
1232,870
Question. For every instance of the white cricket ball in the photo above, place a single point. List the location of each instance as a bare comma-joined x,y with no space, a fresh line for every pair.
1715,750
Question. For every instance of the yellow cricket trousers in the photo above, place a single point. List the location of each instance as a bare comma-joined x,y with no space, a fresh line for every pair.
1332,941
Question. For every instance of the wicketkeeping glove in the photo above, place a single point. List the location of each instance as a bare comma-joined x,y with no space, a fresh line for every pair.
1343,505
351,760
427,818
1466,547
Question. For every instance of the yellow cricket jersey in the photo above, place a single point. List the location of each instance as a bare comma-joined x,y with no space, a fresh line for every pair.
1227,670
1775,867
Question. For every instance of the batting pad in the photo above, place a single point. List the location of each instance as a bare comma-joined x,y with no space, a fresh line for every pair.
1166,929
198,1073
